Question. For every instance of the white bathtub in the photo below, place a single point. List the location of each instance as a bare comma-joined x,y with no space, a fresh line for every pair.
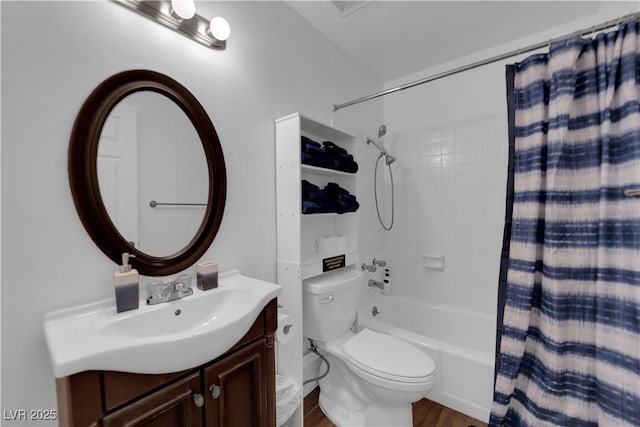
461,343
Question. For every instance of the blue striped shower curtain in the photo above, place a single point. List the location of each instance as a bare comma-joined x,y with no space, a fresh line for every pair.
569,342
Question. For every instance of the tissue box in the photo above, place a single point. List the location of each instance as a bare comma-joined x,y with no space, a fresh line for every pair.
207,275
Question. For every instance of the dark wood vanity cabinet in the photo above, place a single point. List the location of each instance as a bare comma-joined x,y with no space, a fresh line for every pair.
174,405
235,389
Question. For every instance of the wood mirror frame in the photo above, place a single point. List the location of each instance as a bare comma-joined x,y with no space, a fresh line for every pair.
83,176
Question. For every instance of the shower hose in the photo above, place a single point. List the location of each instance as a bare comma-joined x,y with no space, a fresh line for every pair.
375,193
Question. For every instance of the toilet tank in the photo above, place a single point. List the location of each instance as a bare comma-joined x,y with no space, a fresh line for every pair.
330,303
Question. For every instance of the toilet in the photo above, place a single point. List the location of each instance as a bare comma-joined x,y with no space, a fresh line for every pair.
373,377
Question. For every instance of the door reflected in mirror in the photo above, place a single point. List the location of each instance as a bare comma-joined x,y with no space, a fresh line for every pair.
149,150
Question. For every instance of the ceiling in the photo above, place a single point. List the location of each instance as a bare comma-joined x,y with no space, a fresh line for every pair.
397,38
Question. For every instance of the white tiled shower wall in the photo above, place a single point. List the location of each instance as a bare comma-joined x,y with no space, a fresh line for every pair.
449,200
450,180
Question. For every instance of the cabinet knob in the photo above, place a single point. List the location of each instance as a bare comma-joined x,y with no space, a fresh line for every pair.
198,399
215,391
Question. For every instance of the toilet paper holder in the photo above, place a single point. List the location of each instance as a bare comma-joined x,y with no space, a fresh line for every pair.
286,328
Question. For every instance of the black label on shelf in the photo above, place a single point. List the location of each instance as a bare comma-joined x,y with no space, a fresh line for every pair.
334,263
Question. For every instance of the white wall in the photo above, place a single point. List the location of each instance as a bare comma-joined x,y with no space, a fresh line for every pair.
53,55
450,138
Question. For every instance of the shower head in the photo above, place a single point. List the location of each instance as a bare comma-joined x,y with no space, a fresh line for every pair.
388,158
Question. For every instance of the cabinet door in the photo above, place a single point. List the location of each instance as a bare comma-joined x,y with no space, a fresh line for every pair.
236,389
179,404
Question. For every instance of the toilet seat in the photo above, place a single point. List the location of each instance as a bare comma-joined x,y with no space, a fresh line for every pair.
386,359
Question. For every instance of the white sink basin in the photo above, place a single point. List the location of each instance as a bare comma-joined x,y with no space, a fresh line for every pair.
156,339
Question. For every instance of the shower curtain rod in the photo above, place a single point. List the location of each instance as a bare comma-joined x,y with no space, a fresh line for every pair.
496,58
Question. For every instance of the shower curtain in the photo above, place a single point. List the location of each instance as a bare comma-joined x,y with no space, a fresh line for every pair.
569,295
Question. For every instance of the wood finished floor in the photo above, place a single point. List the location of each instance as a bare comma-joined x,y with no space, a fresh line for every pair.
425,414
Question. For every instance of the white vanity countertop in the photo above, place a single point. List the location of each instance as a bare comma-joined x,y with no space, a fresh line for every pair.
154,339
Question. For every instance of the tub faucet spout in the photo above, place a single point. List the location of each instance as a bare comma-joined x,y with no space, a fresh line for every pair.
376,284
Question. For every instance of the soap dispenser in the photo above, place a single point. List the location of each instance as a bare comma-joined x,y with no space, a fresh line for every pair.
126,284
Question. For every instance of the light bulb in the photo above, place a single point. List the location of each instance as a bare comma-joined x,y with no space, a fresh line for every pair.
184,9
219,28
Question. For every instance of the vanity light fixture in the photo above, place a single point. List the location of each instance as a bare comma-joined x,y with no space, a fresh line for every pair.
219,28
181,16
183,9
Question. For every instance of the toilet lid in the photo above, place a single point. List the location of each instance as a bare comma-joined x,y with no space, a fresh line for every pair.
388,357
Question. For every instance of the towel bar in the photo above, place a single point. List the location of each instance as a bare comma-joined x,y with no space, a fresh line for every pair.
632,192
153,204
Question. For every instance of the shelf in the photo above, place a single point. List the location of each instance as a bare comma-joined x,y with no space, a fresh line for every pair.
299,236
324,171
310,268
328,214
322,131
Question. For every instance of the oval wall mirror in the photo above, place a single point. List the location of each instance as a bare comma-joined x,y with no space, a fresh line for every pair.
147,172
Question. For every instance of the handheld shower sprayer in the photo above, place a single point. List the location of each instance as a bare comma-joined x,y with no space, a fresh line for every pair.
388,159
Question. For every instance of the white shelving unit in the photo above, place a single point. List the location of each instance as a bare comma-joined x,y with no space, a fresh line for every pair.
298,256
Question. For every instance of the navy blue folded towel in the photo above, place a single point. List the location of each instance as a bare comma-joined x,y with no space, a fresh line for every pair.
313,160
308,142
331,146
328,155
331,199
341,162
313,193
334,189
343,201
340,159
315,207
342,206
310,146
308,186
312,153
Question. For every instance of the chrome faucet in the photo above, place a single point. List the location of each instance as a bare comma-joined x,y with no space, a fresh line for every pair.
379,262
369,267
159,292
374,265
376,284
